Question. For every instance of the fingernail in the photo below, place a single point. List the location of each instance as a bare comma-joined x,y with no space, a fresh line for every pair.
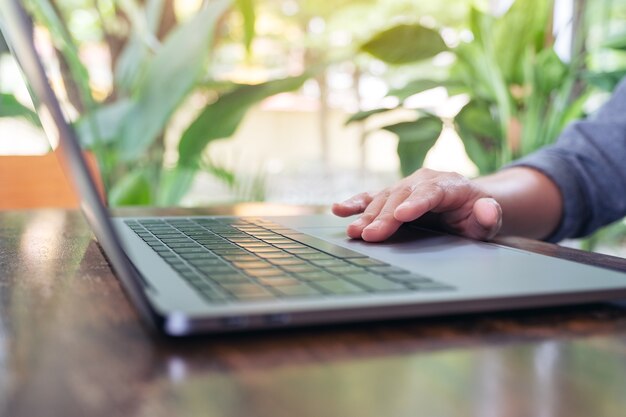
403,206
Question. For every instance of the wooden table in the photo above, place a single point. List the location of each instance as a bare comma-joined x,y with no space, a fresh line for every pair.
71,345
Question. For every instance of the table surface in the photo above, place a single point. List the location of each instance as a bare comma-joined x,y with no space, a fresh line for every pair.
71,344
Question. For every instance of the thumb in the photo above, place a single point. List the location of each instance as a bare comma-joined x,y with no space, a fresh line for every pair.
486,219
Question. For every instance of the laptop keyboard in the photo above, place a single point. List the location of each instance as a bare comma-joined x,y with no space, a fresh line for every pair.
240,259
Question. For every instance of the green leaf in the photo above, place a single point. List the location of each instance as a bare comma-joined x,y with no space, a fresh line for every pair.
550,71
135,56
481,25
4,48
133,189
606,81
415,140
170,76
479,132
617,42
144,24
227,176
174,184
106,122
220,119
363,115
248,13
486,76
404,44
522,27
471,71
419,86
10,107
63,41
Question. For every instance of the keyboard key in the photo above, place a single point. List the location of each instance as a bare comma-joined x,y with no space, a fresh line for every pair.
324,246
278,241
266,272
196,255
291,245
431,286
248,291
167,233
328,262
300,251
314,256
180,245
266,249
217,246
287,261
278,281
367,262
345,270
162,250
252,265
175,240
255,243
299,268
408,278
274,255
387,269
213,297
232,278
187,274
316,276
216,269
207,262
377,283
241,258
339,287
170,257
195,249
230,251
297,290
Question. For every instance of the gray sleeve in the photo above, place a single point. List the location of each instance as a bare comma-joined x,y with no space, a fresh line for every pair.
588,164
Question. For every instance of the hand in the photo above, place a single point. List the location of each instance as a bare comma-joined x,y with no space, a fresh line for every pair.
460,204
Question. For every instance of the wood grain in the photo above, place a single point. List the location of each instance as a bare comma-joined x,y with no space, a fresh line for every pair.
71,345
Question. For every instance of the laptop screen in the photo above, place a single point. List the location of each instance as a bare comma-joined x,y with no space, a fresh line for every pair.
18,30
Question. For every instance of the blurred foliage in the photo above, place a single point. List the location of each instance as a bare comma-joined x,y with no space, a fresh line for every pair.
9,105
159,63
165,62
607,80
519,93
614,234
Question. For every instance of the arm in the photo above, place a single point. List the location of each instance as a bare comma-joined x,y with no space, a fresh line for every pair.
588,165
531,203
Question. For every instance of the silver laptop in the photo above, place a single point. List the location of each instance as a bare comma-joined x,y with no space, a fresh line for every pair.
188,275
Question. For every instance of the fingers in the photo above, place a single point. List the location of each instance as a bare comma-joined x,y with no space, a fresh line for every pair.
353,205
478,219
385,224
355,229
418,203
485,221
460,205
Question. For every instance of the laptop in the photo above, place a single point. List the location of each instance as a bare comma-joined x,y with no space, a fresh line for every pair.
199,274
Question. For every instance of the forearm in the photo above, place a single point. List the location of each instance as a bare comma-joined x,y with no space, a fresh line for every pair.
531,203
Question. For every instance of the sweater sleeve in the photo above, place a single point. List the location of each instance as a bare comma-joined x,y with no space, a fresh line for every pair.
588,165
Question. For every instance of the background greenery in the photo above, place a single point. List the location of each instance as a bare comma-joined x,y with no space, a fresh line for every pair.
170,66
